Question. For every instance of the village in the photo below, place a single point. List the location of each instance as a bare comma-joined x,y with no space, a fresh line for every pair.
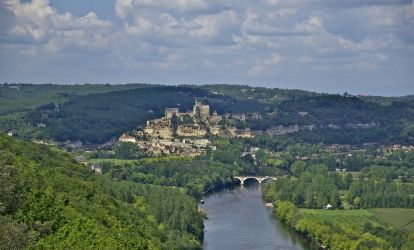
188,133
191,133
185,133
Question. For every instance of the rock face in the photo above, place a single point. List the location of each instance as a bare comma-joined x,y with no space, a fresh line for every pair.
281,130
159,128
191,130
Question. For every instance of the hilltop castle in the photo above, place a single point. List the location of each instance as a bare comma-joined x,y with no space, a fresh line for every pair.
185,133
201,111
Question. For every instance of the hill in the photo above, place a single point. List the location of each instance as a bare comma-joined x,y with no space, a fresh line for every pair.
96,113
48,201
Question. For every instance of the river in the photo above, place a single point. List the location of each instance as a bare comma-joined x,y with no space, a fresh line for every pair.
239,219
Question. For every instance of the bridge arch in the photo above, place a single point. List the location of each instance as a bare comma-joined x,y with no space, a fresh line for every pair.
252,178
240,179
259,179
265,179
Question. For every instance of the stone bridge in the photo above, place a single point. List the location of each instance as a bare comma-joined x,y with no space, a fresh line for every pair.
260,179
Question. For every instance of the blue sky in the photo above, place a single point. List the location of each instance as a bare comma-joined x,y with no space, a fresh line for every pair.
358,46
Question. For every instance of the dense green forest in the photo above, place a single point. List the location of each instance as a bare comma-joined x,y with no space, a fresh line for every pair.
196,176
96,113
49,201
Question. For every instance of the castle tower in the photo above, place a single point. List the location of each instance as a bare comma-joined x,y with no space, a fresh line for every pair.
170,112
201,111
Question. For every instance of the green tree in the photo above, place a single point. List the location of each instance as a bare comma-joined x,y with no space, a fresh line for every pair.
126,150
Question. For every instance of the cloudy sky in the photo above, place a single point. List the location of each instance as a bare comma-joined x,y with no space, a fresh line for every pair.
359,46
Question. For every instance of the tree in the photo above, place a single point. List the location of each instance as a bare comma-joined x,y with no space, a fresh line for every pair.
14,235
126,150
357,202
334,199
347,180
285,210
9,197
298,167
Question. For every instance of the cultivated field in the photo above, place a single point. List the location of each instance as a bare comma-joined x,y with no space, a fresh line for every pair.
401,218
355,217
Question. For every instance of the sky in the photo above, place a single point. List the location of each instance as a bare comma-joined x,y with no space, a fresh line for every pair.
330,46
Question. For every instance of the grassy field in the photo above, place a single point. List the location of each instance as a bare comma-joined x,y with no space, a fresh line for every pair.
400,218
355,217
140,161
114,161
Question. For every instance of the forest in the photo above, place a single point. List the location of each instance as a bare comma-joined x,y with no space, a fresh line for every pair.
49,201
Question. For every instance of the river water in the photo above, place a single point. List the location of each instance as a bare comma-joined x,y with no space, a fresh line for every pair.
239,219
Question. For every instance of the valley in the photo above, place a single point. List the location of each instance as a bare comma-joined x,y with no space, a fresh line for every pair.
159,150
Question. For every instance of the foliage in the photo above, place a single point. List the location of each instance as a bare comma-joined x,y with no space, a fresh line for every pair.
354,229
126,150
381,193
311,185
196,176
313,189
53,202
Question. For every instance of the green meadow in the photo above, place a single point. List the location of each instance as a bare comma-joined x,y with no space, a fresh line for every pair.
399,218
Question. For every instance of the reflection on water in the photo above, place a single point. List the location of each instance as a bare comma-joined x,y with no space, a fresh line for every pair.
238,219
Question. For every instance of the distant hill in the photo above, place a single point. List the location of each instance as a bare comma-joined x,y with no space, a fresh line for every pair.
96,113
387,100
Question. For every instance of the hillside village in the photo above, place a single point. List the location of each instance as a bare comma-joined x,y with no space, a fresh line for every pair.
188,133
185,133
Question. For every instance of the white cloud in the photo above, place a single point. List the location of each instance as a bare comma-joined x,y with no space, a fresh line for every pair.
368,44
38,22
274,59
224,40
219,26
304,59
257,70
266,65
69,21
255,23
31,19
122,7
215,28
182,5
412,8
313,24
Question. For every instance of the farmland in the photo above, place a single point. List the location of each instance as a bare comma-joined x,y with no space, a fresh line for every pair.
399,218
355,217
